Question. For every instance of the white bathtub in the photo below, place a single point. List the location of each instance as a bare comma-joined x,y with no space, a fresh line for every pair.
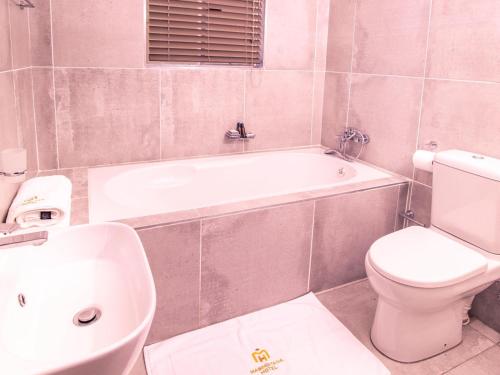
135,190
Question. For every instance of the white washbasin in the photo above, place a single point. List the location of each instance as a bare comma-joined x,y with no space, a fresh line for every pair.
102,266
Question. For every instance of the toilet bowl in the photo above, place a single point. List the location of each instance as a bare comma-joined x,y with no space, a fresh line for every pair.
426,278
420,310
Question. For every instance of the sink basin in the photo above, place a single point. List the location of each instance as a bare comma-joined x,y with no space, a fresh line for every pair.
80,304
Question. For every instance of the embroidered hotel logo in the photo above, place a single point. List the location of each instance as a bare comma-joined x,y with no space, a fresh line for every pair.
267,365
261,355
31,200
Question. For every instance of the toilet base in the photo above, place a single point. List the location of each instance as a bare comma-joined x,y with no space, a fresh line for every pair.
409,336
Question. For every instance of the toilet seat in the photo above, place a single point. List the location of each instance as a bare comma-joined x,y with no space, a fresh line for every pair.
423,258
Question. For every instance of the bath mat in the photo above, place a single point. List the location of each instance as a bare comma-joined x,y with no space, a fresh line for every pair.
299,337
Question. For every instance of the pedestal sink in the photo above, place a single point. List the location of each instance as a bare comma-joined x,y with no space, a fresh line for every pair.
79,304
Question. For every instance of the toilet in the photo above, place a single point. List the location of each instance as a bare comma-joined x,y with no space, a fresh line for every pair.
426,278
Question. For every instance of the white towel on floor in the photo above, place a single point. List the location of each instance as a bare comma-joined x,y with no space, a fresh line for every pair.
41,202
299,337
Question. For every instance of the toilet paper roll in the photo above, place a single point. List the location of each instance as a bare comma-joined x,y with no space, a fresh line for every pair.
423,159
13,160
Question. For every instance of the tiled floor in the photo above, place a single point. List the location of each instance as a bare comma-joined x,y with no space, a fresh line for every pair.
478,354
354,305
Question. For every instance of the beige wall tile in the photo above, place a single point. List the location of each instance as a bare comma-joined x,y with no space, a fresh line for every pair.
486,308
107,116
317,107
43,93
198,106
387,108
20,36
79,211
322,28
8,114
391,37
464,39
335,105
278,108
404,190
345,226
95,33
40,33
254,260
5,51
463,115
25,116
421,203
174,257
340,35
290,34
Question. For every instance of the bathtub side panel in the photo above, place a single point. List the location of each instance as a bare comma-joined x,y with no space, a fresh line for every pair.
345,226
254,260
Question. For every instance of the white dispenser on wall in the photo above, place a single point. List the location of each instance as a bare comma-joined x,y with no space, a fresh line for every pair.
13,167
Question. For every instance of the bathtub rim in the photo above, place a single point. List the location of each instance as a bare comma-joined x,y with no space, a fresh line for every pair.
80,199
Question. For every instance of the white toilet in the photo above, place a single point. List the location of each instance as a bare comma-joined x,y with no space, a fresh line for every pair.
426,278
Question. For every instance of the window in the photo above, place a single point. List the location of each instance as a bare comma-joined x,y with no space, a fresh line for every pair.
204,31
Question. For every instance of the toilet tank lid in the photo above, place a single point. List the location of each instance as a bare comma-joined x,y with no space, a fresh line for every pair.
470,162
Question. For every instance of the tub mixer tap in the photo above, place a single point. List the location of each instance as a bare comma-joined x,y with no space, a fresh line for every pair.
349,134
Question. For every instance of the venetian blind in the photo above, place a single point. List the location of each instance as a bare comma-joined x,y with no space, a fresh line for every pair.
205,31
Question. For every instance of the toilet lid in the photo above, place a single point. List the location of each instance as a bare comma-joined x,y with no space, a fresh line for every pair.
423,258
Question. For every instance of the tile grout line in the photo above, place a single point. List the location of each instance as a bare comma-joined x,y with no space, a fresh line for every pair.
264,70
456,80
37,148
471,358
15,70
190,157
353,40
13,78
397,209
183,68
313,93
161,113
322,105
341,286
56,125
323,72
311,247
245,72
199,274
421,104
472,327
10,39
421,183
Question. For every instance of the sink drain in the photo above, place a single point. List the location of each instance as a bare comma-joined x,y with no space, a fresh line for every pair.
87,316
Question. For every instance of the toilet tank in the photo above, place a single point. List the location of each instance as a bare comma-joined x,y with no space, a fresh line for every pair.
466,197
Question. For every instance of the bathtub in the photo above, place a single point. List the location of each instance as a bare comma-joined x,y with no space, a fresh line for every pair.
138,190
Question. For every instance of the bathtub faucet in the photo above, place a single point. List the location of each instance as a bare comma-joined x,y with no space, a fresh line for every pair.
349,134
239,133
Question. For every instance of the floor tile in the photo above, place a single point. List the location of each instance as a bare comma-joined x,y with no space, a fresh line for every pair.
354,305
485,330
486,363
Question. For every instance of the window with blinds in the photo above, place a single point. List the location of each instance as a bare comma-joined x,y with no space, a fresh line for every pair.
205,31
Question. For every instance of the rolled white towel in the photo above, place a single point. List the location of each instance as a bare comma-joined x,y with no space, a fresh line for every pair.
41,202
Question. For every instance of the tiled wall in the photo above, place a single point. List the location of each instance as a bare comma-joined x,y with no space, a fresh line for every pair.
211,270
409,72
17,123
97,101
